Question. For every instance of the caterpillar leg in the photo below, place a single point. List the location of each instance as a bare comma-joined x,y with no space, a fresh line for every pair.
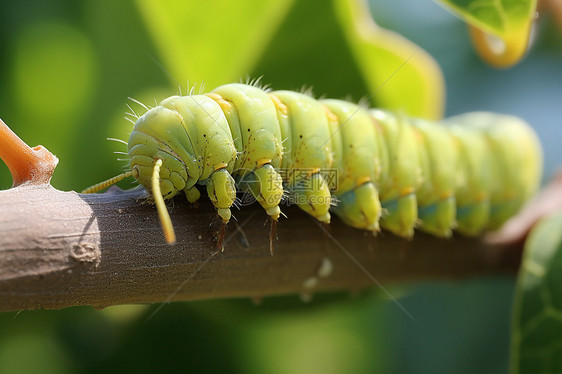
266,185
360,208
439,218
401,215
221,189
471,220
192,194
313,195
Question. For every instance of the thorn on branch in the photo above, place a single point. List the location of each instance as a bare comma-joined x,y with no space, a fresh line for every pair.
27,165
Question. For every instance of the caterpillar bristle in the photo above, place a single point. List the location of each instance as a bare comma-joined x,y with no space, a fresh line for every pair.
348,98
139,103
201,88
128,119
134,114
364,102
192,90
256,82
118,140
307,90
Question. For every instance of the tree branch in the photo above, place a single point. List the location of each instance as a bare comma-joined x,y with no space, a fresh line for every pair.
60,249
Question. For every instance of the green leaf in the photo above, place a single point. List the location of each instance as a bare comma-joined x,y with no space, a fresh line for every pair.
536,345
212,41
497,17
401,74
499,28
316,43
53,80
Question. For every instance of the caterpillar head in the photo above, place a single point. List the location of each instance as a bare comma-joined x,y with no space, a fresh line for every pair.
184,140
159,135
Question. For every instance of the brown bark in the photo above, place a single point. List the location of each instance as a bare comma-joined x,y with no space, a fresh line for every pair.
59,249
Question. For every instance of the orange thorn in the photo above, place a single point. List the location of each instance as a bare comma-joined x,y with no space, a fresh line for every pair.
27,165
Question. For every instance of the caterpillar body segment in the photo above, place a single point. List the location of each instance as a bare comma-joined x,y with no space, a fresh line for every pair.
436,194
474,178
307,151
402,172
372,168
358,166
252,117
514,159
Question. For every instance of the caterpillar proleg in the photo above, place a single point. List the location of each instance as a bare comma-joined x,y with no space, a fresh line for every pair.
370,167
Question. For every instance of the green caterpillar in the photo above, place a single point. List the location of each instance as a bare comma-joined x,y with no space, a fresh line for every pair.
471,172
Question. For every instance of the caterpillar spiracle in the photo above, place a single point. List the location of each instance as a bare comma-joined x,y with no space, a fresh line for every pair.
470,172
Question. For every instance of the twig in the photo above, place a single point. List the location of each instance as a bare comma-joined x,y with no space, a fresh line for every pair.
59,249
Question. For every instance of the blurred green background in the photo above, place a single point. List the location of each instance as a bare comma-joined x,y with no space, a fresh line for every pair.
66,71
